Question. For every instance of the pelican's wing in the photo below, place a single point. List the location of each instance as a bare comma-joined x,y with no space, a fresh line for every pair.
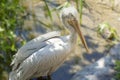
41,62
31,47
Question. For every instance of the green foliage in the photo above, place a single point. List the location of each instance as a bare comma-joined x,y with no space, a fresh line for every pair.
48,10
10,11
107,31
79,4
117,69
66,4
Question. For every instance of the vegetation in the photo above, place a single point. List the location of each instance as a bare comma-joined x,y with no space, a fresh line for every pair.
117,68
10,19
107,31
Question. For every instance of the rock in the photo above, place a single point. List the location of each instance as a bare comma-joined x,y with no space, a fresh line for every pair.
115,52
103,69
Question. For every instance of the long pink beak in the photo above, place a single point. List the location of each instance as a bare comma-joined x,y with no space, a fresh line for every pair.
75,24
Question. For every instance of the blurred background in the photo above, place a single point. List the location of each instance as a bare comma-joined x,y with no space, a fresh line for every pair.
23,20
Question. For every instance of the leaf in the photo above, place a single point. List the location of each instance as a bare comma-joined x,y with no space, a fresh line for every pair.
1,29
13,47
81,7
12,34
66,4
79,4
117,69
48,10
7,22
10,10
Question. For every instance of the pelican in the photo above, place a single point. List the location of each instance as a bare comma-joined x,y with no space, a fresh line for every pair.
45,54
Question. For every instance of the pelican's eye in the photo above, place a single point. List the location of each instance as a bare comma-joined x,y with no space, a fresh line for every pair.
71,16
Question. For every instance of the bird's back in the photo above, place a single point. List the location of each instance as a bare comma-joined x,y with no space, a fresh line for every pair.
40,57
31,47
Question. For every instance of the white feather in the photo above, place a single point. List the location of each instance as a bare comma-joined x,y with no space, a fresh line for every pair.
44,54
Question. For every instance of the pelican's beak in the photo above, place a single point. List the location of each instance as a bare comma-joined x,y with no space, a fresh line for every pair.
75,24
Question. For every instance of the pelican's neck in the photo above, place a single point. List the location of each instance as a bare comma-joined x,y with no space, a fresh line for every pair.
73,37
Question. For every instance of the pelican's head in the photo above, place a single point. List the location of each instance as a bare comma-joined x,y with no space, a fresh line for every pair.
67,14
69,17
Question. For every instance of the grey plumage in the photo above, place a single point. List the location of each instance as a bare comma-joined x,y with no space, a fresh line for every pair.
27,50
44,54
